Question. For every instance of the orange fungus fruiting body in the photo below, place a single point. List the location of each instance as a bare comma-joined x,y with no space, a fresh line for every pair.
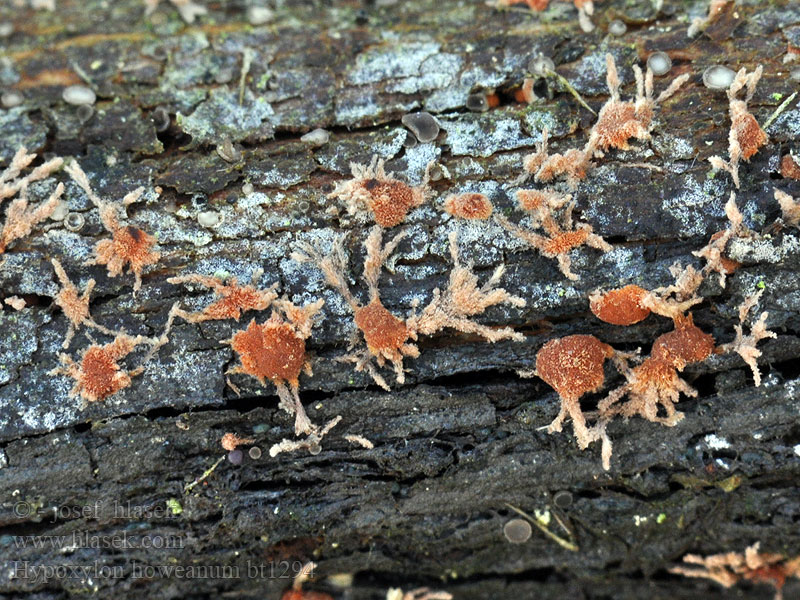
686,344
270,351
573,365
101,375
533,200
566,241
789,168
236,301
390,200
621,306
382,330
750,135
469,206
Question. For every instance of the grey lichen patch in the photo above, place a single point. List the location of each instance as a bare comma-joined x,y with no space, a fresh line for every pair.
19,340
485,134
436,72
26,273
690,205
24,412
282,171
786,127
588,75
171,230
18,131
417,159
763,249
361,106
558,120
390,61
222,116
673,147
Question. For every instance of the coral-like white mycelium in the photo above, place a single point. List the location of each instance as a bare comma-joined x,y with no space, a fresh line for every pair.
20,219
714,251
234,299
745,345
619,121
746,136
728,568
389,338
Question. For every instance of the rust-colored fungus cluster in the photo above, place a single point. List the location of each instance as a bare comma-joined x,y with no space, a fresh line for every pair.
371,190
617,123
234,299
276,351
790,169
729,568
573,366
388,338
746,136
128,245
561,234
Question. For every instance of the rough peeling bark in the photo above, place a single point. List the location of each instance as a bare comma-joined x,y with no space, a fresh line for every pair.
465,434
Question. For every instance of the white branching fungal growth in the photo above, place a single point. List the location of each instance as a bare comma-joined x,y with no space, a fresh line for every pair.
20,218
746,136
790,208
714,251
234,299
74,306
745,345
729,568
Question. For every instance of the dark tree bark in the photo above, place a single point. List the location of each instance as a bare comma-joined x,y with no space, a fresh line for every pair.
465,434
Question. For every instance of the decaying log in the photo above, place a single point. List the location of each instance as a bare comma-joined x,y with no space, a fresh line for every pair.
208,118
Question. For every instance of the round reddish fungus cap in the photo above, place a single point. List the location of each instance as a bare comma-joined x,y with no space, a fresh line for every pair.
381,329
573,365
390,201
621,306
269,351
469,206
686,344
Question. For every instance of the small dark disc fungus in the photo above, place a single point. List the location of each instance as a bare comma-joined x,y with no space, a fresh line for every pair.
477,102
517,531
422,125
235,457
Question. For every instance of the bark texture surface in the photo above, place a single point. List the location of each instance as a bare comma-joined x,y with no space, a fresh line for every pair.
465,434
